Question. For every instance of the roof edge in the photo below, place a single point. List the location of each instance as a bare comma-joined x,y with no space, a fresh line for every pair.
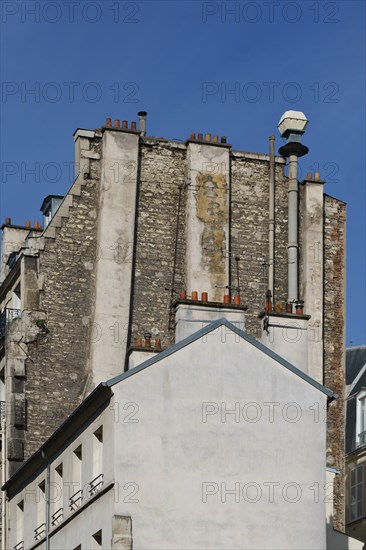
78,419
203,332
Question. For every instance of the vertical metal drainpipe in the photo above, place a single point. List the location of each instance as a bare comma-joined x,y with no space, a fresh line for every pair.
293,245
292,126
47,507
3,473
271,216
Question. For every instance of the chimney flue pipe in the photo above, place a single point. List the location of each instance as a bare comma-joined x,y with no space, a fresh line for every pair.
292,126
271,215
142,119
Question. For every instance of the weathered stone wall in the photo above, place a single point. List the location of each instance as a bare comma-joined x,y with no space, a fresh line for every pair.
56,372
57,369
162,171
249,234
334,340
162,174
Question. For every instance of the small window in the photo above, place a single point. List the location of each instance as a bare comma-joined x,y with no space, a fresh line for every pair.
97,482
97,540
98,452
355,494
20,524
76,498
56,496
77,463
40,529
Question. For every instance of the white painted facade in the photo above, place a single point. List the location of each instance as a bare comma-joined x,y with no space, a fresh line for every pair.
287,335
200,443
312,272
207,220
117,211
190,317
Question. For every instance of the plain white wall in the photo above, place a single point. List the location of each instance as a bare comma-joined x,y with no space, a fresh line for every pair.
168,453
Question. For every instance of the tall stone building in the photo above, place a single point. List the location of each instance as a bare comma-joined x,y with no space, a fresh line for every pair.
145,219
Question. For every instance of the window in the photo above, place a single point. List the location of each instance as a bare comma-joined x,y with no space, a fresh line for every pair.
97,540
56,496
356,489
40,530
361,419
20,525
77,498
97,482
16,301
98,451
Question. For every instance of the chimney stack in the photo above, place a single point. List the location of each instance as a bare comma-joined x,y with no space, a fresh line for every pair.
194,314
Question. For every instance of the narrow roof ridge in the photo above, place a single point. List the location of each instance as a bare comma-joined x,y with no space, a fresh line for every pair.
207,329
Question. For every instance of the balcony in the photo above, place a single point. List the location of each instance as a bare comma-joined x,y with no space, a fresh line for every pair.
19,546
95,485
75,500
57,517
40,532
7,316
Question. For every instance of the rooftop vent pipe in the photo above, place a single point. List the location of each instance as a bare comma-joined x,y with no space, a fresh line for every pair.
142,119
291,126
271,215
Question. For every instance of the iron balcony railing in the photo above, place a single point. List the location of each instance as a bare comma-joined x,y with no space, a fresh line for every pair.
40,532
57,517
362,439
6,316
19,546
75,500
95,485
2,410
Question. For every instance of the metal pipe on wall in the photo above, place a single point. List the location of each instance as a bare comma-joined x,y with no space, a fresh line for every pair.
293,245
271,216
3,474
292,126
47,507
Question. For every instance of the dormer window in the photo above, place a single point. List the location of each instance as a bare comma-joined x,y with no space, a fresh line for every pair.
49,208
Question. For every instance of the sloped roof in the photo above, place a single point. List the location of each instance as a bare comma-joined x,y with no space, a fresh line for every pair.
355,380
203,332
355,360
99,398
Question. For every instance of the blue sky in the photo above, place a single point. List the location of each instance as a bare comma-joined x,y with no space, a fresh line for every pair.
228,68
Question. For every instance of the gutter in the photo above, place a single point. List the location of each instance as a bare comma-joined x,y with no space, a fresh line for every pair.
47,507
72,427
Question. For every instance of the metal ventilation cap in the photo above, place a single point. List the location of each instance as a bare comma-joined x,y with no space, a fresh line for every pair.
292,122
